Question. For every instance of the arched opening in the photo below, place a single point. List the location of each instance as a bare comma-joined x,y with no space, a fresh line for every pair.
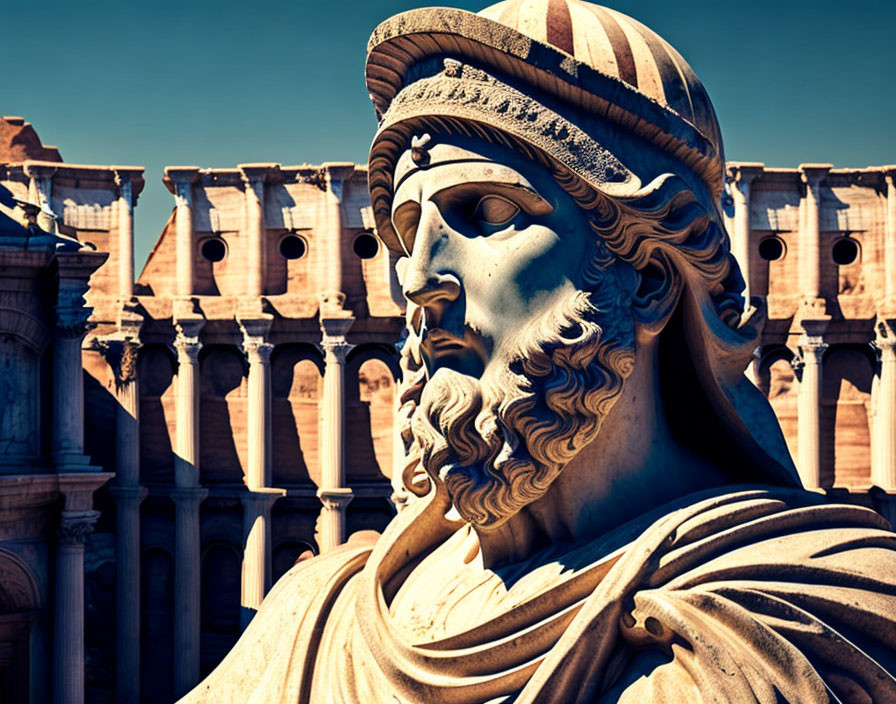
296,387
157,627
848,373
19,607
155,371
370,398
221,408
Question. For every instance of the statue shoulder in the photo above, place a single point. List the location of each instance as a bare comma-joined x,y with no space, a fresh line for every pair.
749,597
268,663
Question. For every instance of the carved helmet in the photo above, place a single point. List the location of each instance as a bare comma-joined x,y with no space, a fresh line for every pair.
577,64
588,90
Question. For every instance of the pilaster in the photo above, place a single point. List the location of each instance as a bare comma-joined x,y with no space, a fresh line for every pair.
179,180
41,193
254,178
810,238
741,177
127,198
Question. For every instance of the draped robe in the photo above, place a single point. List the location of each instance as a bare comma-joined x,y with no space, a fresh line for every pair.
748,595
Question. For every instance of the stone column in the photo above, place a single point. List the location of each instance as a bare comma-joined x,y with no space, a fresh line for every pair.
336,173
41,193
883,474
333,493
256,574
180,180
742,176
187,496
68,618
186,460
125,208
127,494
254,176
810,237
74,269
258,354
812,347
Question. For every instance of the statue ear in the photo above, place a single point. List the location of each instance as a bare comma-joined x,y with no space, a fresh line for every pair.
657,294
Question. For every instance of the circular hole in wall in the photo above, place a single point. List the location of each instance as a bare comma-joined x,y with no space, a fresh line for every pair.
214,249
366,246
293,247
772,248
845,251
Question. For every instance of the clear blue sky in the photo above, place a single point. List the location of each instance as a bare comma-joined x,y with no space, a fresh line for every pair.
219,82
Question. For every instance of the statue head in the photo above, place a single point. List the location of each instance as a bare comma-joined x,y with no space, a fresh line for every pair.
549,174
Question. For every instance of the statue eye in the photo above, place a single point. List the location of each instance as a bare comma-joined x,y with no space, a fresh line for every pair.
496,210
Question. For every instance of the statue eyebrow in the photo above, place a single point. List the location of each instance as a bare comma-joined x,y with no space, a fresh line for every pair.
522,194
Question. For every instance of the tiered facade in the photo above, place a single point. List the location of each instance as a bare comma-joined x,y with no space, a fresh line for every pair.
242,387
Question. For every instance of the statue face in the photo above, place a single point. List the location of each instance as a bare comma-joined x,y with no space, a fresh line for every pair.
493,242
520,329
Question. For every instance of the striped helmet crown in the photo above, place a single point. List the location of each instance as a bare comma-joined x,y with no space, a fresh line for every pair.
616,46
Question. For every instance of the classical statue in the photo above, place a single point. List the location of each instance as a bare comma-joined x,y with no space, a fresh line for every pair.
599,505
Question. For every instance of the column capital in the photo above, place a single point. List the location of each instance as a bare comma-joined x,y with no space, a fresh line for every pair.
180,174
813,347
258,173
744,172
75,526
72,314
813,174
40,171
129,182
333,332
255,344
120,353
257,351
186,341
179,180
336,173
885,333
335,499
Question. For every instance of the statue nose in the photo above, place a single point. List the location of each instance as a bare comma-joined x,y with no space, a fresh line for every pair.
428,290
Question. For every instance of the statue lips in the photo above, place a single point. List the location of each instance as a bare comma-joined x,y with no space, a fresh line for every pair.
442,348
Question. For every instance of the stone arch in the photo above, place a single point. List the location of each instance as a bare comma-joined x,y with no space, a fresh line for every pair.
296,389
25,327
18,587
222,406
847,377
19,606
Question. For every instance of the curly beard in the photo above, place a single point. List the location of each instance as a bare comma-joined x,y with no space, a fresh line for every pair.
498,442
